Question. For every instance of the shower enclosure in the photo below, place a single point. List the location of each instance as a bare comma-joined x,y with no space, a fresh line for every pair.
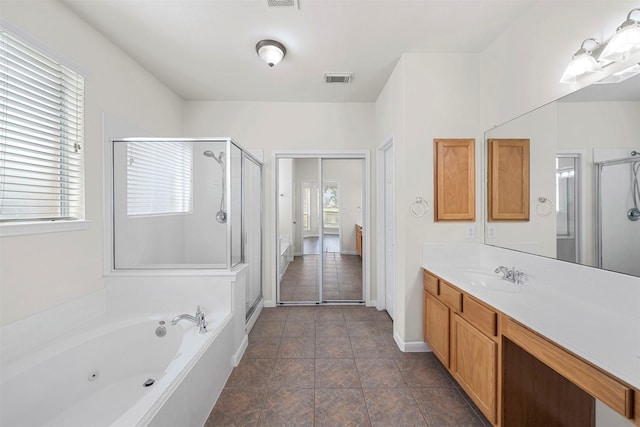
617,216
187,204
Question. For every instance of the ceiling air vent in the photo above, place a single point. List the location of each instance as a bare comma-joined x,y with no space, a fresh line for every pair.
283,3
338,77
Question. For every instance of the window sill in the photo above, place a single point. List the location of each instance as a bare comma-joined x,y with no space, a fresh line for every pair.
42,227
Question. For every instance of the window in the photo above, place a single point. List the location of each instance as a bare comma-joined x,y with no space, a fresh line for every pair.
330,211
41,136
159,178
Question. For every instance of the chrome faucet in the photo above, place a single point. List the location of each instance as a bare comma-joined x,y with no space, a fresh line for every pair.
512,275
198,319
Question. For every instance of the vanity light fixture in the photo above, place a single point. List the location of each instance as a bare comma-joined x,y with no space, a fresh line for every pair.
582,62
624,42
621,76
271,51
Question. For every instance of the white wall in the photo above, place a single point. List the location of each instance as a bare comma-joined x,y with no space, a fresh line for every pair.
521,69
282,126
286,199
428,96
38,272
349,174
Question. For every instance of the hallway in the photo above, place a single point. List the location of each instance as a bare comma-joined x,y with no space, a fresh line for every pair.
337,366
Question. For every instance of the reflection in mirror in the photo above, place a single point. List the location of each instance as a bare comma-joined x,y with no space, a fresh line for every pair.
577,144
318,210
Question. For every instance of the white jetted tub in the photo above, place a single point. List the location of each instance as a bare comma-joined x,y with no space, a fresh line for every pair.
120,373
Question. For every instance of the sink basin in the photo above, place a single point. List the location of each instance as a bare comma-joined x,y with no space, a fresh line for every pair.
490,281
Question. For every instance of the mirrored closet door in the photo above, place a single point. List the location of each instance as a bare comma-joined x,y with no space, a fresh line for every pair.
319,227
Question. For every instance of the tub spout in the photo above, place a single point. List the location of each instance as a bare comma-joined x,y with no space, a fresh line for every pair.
198,319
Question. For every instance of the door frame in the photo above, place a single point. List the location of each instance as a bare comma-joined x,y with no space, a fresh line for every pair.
364,155
388,144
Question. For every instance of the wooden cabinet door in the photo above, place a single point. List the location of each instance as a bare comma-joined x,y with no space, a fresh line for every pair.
474,364
436,327
359,239
455,185
508,178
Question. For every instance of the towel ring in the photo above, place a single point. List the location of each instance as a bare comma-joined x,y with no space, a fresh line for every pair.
544,207
419,208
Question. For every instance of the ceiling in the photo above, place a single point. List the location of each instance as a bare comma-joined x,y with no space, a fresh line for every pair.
205,49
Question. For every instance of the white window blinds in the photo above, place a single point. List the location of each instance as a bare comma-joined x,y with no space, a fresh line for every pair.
159,178
41,136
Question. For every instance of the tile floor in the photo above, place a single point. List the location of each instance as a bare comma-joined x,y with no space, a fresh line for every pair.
342,278
337,366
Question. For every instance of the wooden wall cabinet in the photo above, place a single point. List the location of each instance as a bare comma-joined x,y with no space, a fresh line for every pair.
359,239
455,186
508,179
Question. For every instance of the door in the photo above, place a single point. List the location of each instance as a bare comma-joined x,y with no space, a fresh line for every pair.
389,231
321,265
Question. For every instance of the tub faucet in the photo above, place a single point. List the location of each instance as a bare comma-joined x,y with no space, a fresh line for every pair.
198,319
512,275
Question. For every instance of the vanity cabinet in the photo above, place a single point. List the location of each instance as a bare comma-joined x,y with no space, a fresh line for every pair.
508,180
474,364
359,239
436,327
465,342
455,176
515,376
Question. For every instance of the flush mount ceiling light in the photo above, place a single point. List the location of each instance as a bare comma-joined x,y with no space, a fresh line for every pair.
271,51
624,42
582,63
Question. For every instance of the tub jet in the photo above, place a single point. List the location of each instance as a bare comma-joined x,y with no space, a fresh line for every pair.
149,382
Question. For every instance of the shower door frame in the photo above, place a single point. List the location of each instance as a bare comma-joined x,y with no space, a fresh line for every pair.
363,155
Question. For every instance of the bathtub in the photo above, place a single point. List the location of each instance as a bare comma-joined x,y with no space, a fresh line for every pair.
116,373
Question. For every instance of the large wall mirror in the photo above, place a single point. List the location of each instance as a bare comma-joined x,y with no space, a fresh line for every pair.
584,186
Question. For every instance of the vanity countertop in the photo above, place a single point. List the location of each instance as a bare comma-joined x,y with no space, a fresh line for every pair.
592,313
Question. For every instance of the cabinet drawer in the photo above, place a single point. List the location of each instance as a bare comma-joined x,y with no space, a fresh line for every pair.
430,283
450,296
480,316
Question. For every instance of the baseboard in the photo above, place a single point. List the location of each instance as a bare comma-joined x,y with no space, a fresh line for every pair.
410,346
350,253
269,303
237,356
254,317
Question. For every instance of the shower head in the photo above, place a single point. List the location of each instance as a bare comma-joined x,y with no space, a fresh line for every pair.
219,158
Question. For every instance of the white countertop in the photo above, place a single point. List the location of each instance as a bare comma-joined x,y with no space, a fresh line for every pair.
592,313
